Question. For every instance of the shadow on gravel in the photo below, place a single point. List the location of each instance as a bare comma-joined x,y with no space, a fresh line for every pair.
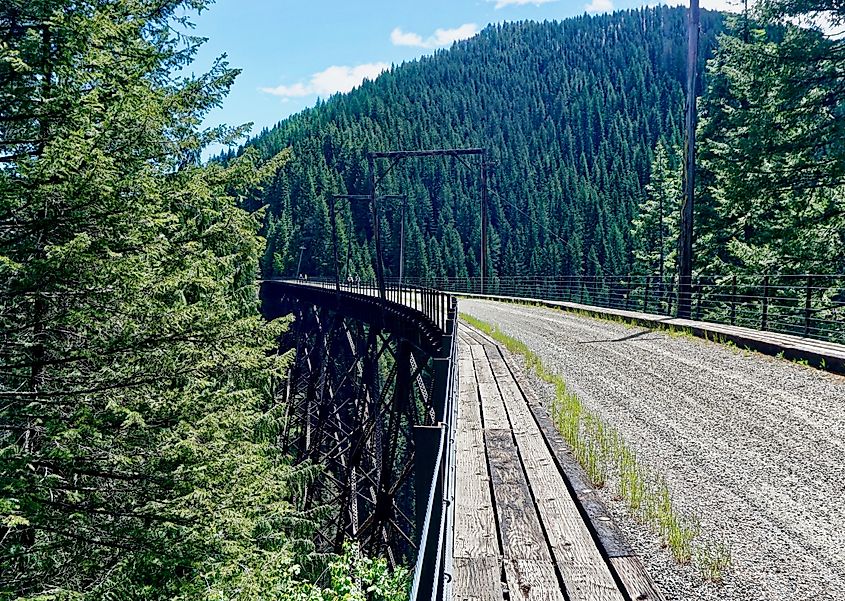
623,339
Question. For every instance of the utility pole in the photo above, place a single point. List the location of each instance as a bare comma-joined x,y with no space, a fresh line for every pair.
299,264
376,226
685,246
483,218
334,243
402,240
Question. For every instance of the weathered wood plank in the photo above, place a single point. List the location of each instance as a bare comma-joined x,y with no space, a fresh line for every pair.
477,579
492,406
532,580
637,582
477,351
610,537
585,573
475,525
519,524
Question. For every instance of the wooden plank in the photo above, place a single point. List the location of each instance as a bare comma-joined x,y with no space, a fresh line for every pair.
532,580
477,351
477,579
522,536
469,409
585,573
609,535
637,582
475,524
629,569
492,406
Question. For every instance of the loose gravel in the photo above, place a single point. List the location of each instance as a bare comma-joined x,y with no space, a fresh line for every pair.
751,446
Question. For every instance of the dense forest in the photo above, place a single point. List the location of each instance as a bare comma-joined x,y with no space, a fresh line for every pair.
138,413
583,122
570,112
137,419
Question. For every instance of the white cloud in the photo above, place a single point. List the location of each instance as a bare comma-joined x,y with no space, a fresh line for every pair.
337,78
439,39
599,6
504,3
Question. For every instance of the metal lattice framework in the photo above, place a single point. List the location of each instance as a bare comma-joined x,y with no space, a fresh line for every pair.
363,394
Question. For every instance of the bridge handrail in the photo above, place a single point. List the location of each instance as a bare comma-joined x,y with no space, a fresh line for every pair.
806,305
434,561
433,303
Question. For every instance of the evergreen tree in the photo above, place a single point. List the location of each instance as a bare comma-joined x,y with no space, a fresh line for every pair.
772,152
655,228
136,420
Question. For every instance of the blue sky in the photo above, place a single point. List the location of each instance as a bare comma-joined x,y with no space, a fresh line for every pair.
293,51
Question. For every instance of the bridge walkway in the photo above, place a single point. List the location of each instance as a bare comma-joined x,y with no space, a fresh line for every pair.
519,533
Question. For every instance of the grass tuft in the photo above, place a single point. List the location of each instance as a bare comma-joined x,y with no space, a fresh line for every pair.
713,560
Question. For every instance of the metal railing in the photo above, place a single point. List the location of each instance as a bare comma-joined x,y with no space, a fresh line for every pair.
431,302
810,306
434,562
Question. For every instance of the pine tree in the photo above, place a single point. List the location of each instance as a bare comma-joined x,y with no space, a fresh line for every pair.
773,159
655,228
136,449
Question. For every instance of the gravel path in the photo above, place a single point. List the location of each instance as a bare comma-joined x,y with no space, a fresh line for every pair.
753,446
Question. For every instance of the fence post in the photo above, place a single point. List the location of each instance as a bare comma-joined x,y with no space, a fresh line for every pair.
733,299
807,304
764,318
670,295
628,294
645,297
698,298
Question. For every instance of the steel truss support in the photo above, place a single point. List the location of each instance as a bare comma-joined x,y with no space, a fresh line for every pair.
354,396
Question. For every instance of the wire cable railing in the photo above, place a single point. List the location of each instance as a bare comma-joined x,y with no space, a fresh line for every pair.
807,305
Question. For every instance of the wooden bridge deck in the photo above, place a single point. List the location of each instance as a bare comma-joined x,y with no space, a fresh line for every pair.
519,533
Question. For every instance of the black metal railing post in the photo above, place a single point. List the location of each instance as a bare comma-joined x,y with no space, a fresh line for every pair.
808,302
764,316
698,298
733,299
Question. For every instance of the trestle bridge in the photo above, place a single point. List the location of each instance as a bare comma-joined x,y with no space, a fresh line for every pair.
435,450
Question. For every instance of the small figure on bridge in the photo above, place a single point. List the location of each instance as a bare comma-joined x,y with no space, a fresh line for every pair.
357,280
349,280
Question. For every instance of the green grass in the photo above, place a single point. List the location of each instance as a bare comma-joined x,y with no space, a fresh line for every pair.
713,560
605,456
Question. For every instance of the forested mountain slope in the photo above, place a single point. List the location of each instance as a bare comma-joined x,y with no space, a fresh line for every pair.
570,112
